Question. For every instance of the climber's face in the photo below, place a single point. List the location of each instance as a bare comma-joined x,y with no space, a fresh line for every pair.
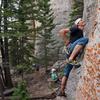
81,23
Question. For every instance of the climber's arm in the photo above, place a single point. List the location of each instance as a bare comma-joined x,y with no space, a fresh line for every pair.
54,80
63,34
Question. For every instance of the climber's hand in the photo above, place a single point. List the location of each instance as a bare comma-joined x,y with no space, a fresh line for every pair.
67,43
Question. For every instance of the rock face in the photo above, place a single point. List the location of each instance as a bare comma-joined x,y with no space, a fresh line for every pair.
62,9
89,83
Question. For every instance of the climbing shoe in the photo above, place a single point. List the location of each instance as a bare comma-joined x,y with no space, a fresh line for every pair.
62,94
73,63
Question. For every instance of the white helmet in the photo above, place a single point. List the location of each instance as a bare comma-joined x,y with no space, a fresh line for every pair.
53,70
77,21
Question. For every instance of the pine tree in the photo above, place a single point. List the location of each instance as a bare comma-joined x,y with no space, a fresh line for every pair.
21,37
20,93
77,12
4,42
45,34
16,35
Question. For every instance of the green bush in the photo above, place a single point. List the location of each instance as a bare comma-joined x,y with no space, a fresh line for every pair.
20,93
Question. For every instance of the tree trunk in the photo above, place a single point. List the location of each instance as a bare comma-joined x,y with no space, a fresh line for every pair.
8,76
6,64
1,89
33,26
1,44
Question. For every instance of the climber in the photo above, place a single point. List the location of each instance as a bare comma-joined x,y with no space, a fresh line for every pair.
73,46
54,77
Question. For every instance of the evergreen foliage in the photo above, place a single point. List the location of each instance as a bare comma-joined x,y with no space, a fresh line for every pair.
16,41
45,34
21,41
21,46
20,93
77,12
16,31
4,39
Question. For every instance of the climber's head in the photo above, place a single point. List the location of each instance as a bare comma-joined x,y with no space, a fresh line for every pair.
79,22
53,70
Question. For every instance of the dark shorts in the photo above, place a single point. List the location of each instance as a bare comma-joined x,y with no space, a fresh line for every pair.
58,81
37,69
